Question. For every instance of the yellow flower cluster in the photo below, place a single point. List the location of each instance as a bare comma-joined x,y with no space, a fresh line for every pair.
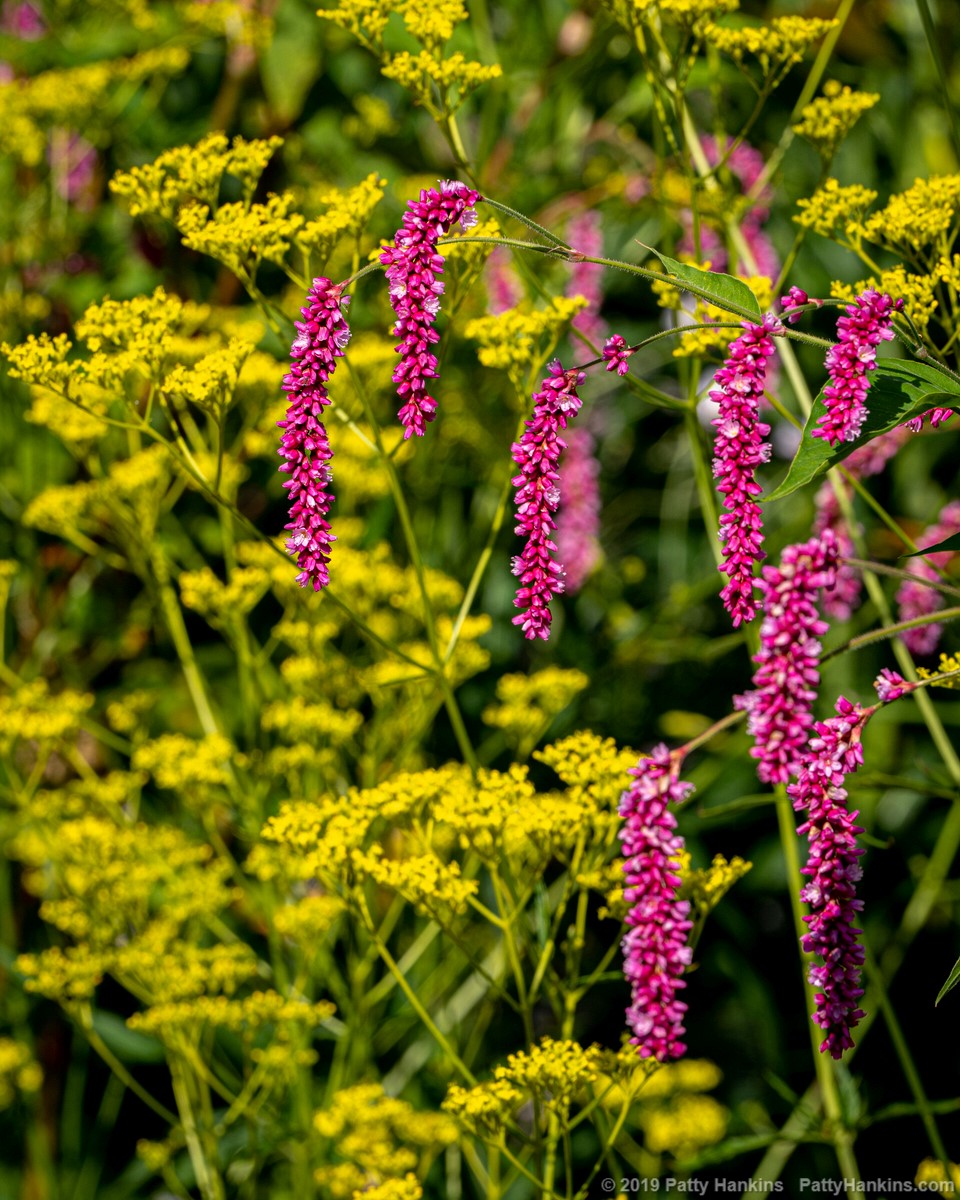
688,14
554,1072
365,19
776,47
827,121
948,662
833,208
31,713
528,703
920,222
931,1170
219,603
102,881
455,77
705,887
187,765
211,382
373,119
378,1141
241,236
433,24
347,212
309,920
19,1071
683,1126
192,173
72,97
188,1018
521,339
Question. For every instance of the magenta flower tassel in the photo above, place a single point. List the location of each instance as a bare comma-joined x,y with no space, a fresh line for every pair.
915,599
616,354
414,270
537,454
867,323
780,708
832,870
739,449
655,950
321,337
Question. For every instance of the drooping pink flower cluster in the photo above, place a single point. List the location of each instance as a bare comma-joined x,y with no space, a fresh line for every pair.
586,278
537,497
867,323
655,950
891,685
617,353
738,450
321,337
832,870
867,460
414,268
780,708
578,521
796,298
915,599
935,417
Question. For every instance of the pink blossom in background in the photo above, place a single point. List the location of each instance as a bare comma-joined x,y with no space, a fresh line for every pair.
537,498
866,324
780,707
915,599
739,449
832,870
586,279
503,286
655,950
414,270
746,164
22,20
578,521
73,167
321,338
866,461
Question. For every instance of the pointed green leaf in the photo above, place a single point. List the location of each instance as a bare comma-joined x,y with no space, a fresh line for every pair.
950,543
722,290
952,980
899,390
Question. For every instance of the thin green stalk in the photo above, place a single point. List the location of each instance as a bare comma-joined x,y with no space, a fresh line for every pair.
416,559
933,41
121,1072
181,640
427,1021
906,1061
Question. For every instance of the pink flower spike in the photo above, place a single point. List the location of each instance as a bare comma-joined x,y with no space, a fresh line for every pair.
891,686
586,278
739,449
537,498
616,352
867,323
655,950
321,338
780,708
832,870
414,270
795,298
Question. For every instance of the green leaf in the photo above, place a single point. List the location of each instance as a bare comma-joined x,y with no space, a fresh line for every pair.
291,63
899,390
952,980
722,290
950,543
